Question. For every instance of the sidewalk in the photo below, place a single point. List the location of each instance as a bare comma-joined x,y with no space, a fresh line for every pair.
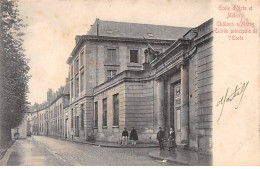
185,157
4,149
109,144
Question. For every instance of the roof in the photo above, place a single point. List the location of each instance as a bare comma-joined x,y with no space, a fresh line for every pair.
136,30
30,108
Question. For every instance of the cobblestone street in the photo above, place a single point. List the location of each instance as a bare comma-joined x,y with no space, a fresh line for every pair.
41,150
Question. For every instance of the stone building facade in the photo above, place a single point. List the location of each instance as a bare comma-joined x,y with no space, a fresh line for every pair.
108,49
135,75
173,91
48,117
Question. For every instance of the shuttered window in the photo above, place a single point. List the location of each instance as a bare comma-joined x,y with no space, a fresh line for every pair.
104,115
71,118
82,115
111,55
115,110
96,114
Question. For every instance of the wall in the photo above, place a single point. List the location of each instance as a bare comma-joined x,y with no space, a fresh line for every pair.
95,67
22,129
193,139
140,108
110,133
42,121
123,60
136,106
204,84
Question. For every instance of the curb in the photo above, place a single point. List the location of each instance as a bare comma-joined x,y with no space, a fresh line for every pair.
103,145
168,159
179,161
6,154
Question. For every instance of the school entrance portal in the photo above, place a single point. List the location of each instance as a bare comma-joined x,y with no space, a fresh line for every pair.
175,108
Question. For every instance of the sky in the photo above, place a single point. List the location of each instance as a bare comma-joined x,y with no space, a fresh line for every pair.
53,25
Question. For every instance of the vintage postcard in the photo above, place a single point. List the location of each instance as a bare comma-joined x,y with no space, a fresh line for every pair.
129,83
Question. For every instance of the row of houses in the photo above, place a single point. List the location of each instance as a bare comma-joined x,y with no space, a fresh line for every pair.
124,75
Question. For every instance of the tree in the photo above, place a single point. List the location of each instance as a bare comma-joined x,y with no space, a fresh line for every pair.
13,70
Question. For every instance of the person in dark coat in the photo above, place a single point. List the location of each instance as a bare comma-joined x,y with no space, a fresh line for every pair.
171,141
160,137
124,137
133,136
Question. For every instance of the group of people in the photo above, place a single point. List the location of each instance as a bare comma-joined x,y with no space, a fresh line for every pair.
161,136
133,137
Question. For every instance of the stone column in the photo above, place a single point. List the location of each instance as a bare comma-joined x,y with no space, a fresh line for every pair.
184,103
160,103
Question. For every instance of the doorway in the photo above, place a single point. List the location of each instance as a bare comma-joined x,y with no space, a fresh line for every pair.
47,127
175,108
66,128
77,127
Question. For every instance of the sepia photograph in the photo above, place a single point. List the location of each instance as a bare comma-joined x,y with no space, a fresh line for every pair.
129,83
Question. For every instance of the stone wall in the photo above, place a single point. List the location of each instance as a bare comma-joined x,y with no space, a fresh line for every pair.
22,129
110,132
136,107
140,108
193,139
204,77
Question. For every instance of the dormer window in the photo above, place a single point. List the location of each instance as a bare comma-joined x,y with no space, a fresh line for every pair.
150,34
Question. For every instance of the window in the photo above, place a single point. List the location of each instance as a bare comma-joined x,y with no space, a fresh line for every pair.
71,71
133,56
82,115
76,65
111,74
81,81
77,87
71,118
71,89
81,58
104,115
77,126
60,109
61,126
115,110
111,55
96,114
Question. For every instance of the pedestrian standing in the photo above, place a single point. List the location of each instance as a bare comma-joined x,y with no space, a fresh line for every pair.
171,137
124,137
133,136
160,137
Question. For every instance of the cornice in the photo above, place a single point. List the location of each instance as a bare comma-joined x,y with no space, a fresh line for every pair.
94,38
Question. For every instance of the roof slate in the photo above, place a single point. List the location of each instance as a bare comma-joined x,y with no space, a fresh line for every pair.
136,30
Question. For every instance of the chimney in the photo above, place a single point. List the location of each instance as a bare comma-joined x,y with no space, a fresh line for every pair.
77,38
49,95
97,26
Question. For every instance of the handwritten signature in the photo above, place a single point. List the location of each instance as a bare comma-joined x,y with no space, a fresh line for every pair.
239,91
